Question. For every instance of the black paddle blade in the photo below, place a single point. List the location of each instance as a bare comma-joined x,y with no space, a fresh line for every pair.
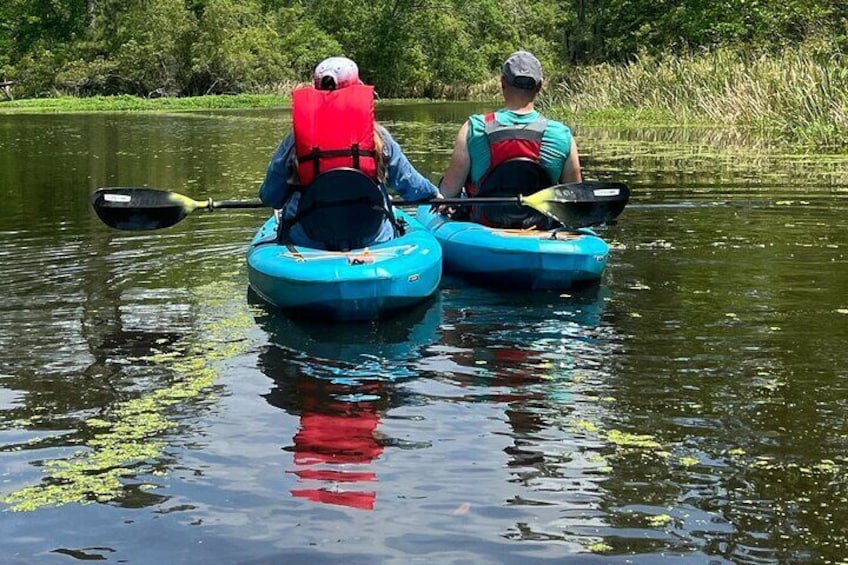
580,205
138,209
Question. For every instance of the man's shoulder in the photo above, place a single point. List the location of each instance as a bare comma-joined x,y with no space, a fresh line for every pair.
556,127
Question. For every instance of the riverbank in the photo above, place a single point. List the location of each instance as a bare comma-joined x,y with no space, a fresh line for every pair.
798,97
127,103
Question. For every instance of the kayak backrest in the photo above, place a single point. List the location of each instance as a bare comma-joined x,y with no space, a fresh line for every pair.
511,178
343,209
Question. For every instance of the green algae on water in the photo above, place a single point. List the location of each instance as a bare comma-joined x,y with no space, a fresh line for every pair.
600,547
127,441
626,440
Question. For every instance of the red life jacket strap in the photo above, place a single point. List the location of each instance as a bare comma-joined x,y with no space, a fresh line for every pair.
317,154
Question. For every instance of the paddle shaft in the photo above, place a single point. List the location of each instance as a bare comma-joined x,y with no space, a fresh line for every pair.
572,204
216,204
219,204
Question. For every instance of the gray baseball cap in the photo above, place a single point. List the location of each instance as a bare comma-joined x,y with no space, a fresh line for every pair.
523,70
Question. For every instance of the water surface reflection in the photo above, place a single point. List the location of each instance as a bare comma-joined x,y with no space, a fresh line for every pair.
340,382
690,408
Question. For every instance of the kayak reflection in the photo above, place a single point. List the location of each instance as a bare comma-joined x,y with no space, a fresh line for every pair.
530,362
340,379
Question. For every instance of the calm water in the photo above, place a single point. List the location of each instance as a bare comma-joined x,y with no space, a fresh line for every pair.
691,408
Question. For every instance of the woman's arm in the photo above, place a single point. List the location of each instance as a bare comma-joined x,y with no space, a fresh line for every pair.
274,190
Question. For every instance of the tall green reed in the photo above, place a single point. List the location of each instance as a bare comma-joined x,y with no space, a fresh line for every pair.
799,94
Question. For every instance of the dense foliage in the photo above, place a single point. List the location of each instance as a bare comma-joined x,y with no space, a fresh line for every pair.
404,47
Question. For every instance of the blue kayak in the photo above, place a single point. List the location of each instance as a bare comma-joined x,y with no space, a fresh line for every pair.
525,259
354,285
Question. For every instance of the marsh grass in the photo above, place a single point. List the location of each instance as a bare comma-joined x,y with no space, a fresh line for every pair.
799,95
128,103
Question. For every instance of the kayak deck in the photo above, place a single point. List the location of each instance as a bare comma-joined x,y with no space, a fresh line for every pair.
355,285
525,259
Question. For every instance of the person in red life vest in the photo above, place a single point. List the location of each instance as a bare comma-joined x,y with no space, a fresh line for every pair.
329,178
513,150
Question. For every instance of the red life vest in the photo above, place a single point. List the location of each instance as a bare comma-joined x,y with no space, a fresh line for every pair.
334,129
510,142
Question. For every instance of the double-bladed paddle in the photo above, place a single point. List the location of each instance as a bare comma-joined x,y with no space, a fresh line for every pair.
575,205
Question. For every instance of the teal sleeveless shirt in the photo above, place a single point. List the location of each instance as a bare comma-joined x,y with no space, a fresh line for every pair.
556,143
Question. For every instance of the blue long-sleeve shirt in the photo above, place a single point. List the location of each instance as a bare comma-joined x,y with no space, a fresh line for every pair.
401,176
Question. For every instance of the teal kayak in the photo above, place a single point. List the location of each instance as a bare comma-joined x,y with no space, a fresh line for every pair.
522,259
355,285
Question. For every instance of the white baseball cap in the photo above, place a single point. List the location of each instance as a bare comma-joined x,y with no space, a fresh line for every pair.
335,73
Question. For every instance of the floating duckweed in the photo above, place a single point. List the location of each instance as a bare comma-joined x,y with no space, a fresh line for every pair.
624,439
585,425
736,452
660,520
97,423
126,442
827,466
688,461
600,547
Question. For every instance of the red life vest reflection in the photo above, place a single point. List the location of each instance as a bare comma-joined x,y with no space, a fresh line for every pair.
330,448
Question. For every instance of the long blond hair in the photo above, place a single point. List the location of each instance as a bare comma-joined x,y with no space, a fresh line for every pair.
379,156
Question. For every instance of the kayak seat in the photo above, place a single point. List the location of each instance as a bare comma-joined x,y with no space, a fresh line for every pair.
343,209
511,178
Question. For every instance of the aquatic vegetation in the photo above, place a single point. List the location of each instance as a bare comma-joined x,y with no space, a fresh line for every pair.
660,520
799,95
688,461
600,547
628,440
127,103
586,425
129,440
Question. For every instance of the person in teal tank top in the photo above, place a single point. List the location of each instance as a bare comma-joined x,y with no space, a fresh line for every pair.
517,131
557,142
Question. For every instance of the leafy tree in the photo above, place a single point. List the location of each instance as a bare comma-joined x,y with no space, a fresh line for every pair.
237,47
403,47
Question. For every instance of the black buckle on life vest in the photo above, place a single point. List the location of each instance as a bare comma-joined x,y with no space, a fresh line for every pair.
316,160
354,151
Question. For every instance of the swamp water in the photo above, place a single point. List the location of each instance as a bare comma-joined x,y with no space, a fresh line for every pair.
691,408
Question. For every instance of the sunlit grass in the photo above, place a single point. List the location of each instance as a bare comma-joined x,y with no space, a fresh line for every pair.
126,103
799,95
